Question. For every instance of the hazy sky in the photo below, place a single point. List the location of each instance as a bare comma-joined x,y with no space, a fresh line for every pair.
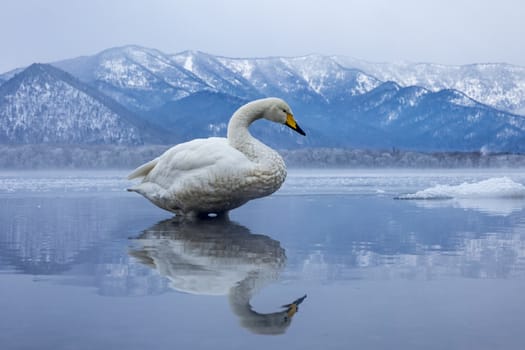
441,31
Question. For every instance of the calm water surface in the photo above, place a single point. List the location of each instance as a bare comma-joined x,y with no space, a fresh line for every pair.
86,265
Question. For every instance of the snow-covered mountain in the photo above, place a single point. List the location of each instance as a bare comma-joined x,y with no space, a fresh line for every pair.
340,103
142,78
389,116
138,78
419,119
498,85
314,76
43,104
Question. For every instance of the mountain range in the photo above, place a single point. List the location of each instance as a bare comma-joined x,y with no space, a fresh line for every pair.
499,85
134,95
44,104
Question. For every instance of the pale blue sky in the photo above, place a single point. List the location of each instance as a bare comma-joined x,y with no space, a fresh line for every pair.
441,31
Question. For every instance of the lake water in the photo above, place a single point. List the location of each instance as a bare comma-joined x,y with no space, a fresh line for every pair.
86,265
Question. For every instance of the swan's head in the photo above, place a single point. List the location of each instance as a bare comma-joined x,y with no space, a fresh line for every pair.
278,111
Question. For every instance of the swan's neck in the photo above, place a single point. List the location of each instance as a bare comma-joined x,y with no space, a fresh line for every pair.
240,137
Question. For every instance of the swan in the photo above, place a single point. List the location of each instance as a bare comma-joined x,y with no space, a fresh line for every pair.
217,174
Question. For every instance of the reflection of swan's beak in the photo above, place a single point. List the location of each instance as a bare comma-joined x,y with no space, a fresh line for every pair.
293,307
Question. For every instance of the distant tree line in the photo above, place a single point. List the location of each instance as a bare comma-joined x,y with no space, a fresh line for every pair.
76,156
395,158
126,157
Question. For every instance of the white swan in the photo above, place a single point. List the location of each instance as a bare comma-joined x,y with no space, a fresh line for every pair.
216,174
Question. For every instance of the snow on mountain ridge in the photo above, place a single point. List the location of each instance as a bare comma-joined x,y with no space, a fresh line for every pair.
214,73
154,64
137,77
41,105
327,77
496,84
125,74
307,76
188,64
322,74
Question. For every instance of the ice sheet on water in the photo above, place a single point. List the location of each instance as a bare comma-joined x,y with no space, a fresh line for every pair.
490,206
63,181
497,187
351,181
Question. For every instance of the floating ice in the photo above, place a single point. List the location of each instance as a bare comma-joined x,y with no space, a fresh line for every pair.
500,187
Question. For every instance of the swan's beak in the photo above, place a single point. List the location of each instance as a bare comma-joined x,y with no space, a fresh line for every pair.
291,123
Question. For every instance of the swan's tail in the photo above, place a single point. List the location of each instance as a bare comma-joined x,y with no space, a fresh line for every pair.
143,170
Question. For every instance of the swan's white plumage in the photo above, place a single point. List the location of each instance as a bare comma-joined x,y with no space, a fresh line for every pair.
215,175
143,170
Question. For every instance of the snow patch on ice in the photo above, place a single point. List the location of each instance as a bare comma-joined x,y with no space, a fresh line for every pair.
500,187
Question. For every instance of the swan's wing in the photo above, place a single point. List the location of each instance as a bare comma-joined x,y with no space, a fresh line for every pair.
143,170
209,156
192,155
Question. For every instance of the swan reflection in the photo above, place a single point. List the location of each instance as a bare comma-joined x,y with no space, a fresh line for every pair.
218,257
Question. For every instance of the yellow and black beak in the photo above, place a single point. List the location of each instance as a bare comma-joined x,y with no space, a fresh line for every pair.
291,123
291,309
